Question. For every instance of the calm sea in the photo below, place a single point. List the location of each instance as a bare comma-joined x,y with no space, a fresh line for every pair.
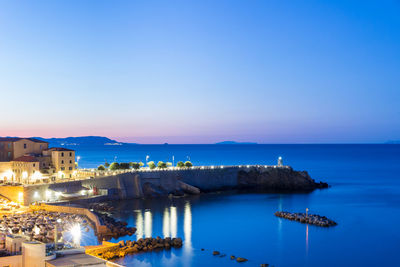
364,199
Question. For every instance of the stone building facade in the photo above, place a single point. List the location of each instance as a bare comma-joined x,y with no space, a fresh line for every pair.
27,160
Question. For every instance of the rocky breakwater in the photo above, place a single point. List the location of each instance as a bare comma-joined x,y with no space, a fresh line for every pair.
116,228
306,218
141,245
277,179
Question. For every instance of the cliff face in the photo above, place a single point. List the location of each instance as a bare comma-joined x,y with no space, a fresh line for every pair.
277,179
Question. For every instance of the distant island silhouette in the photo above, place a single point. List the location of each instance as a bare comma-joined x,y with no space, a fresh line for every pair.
235,143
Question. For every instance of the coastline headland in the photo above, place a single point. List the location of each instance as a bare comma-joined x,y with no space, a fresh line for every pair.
176,181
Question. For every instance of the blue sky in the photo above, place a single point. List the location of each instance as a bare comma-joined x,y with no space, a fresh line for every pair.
201,71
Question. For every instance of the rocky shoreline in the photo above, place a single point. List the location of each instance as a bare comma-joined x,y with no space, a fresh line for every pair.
141,245
117,228
306,218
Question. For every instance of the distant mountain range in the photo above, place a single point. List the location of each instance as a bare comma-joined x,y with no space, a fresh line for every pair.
235,143
80,141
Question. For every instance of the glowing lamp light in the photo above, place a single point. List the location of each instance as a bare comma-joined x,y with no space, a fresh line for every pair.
20,197
76,233
48,194
37,175
25,175
36,230
248,166
36,194
83,192
58,194
9,174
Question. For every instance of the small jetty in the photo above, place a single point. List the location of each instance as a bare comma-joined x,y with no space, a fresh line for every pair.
306,218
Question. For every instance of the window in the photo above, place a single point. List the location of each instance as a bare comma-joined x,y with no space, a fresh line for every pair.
70,154
9,145
62,154
70,168
40,147
70,161
34,164
62,168
24,146
62,162
9,154
44,164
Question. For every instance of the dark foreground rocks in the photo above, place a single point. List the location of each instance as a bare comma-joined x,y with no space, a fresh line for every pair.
303,218
141,245
117,228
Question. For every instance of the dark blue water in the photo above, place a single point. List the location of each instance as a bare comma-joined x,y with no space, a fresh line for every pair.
364,199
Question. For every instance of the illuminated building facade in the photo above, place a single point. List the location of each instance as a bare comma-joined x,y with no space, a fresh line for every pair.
27,160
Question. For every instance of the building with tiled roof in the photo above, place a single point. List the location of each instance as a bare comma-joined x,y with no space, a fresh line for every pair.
27,159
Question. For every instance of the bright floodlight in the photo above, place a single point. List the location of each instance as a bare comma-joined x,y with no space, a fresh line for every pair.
36,230
76,233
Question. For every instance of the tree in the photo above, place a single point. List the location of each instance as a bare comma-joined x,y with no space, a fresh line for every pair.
101,168
180,164
151,165
141,164
161,165
188,164
135,165
169,164
124,166
114,166
107,164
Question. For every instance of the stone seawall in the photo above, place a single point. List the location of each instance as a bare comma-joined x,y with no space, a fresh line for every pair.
139,184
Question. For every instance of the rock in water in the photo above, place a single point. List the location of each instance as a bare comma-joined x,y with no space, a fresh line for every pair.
239,259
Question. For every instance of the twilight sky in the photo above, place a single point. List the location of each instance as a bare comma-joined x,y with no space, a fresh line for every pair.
201,71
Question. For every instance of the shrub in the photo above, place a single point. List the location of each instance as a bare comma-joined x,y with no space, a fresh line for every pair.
107,164
135,165
114,166
161,165
101,168
124,166
188,164
180,164
151,165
